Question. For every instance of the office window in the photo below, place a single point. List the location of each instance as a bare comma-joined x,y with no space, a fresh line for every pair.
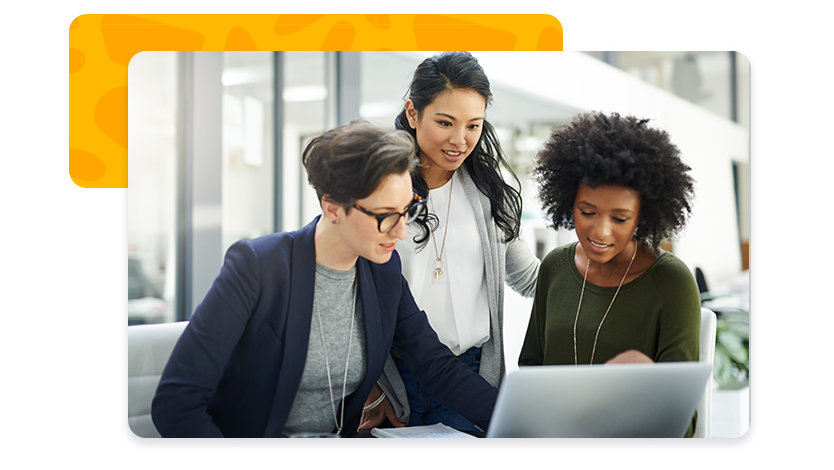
152,150
385,77
201,172
248,185
306,100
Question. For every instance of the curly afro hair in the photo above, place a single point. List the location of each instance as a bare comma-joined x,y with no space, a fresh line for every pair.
600,150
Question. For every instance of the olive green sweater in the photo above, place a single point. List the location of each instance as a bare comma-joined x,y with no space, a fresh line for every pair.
659,314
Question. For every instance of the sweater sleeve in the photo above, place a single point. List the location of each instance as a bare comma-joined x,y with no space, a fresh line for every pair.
522,267
680,319
532,349
393,387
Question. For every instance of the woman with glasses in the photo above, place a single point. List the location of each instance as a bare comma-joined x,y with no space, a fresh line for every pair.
458,257
296,328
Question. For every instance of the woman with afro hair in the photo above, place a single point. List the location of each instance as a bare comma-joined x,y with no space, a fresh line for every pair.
615,295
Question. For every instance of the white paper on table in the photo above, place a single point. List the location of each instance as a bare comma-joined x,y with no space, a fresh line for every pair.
428,431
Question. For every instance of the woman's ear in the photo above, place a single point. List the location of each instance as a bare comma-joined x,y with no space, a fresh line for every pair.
411,114
331,210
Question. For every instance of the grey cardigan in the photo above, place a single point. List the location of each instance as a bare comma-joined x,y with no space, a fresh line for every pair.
511,262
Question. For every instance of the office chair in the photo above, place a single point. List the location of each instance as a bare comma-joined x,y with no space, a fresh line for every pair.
148,349
706,354
701,280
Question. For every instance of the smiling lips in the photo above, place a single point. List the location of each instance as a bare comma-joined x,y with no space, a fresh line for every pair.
599,246
451,154
388,246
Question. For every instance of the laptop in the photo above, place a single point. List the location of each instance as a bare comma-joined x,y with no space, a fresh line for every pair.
622,400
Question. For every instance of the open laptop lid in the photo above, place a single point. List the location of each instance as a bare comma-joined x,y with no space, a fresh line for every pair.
624,400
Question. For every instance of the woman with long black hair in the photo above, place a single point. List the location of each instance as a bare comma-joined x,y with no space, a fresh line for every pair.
458,257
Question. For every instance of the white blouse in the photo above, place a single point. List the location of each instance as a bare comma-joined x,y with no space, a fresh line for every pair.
460,320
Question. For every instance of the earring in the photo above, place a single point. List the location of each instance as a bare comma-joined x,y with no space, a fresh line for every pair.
334,221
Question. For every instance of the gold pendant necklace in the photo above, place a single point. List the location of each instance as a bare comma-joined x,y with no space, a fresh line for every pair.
438,256
582,293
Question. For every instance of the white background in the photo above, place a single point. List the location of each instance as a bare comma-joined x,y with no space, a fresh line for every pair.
62,296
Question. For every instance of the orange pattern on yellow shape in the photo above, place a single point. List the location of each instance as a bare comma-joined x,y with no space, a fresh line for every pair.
108,117
379,21
340,37
76,60
85,166
550,37
240,40
290,24
432,33
101,47
125,35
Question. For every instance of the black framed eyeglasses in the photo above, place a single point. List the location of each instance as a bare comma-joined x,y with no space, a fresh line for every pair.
386,222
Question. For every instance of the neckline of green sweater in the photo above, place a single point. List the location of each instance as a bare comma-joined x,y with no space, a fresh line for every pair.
578,275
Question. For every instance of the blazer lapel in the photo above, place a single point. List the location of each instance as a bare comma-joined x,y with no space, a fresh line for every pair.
297,327
373,318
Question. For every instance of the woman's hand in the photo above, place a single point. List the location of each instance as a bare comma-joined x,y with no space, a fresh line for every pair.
377,408
632,356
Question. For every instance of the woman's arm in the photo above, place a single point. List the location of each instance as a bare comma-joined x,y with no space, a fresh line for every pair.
680,319
436,368
200,356
522,267
532,349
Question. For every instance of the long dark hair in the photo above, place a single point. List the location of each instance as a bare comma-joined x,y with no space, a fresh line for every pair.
461,70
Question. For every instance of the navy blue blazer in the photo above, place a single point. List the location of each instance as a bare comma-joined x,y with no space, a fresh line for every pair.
237,366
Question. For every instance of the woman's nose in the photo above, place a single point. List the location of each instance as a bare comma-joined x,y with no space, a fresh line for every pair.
602,230
458,137
399,230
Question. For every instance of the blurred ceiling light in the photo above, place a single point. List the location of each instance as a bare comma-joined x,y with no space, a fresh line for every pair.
378,109
244,75
305,93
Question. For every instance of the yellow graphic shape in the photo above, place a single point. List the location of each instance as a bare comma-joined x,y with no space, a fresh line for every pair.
109,105
101,47
240,40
